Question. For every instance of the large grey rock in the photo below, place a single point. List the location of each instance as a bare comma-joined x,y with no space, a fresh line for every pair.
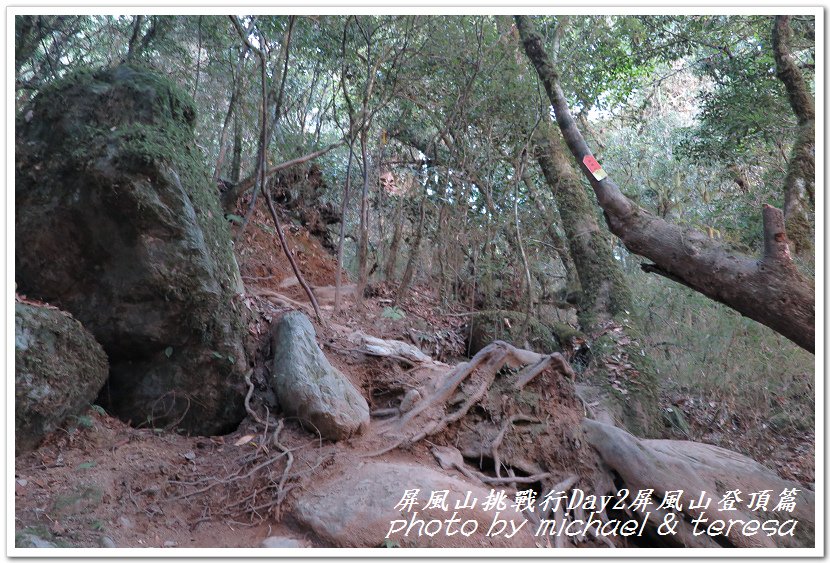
358,510
309,387
706,473
118,223
58,370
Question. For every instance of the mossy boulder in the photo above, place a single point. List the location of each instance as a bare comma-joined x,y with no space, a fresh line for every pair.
511,326
118,223
58,370
309,387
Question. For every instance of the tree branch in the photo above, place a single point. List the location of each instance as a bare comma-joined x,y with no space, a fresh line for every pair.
770,291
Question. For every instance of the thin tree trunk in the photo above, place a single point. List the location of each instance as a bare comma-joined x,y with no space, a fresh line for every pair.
414,253
236,160
528,277
198,60
392,259
769,290
339,274
133,44
223,137
261,175
572,285
363,238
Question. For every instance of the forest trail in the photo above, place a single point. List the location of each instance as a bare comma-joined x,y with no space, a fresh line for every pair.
101,482
320,280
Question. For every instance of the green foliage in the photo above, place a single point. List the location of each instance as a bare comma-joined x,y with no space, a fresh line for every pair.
711,353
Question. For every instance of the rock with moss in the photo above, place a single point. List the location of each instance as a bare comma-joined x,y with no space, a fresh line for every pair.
309,387
512,327
58,370
118,223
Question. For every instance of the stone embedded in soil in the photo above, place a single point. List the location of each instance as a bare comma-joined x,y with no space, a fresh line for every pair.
309,387
31,540
118,222
357,509
59,369
282,542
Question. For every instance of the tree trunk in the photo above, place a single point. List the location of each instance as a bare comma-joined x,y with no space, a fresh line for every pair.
799,185
363,238
604,293
572,286
414,251
339,274
604,301
236,159
223,137
389,270
769,290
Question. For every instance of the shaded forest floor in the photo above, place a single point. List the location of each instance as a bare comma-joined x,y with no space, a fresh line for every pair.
101,483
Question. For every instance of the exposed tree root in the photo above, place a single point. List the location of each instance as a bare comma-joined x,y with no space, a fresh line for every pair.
484,367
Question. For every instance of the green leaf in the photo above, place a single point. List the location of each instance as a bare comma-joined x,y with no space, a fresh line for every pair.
231,359
99,409
235,218
168,351
217,355
87,465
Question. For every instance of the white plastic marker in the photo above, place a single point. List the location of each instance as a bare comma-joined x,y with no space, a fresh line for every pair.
593,166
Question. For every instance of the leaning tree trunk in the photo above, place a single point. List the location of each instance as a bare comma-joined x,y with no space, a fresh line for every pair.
769,290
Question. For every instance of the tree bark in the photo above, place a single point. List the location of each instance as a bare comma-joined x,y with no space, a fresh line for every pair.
572,285
414,251
389,270
338,276
799,184
604,293
236,159
363,237
769,290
